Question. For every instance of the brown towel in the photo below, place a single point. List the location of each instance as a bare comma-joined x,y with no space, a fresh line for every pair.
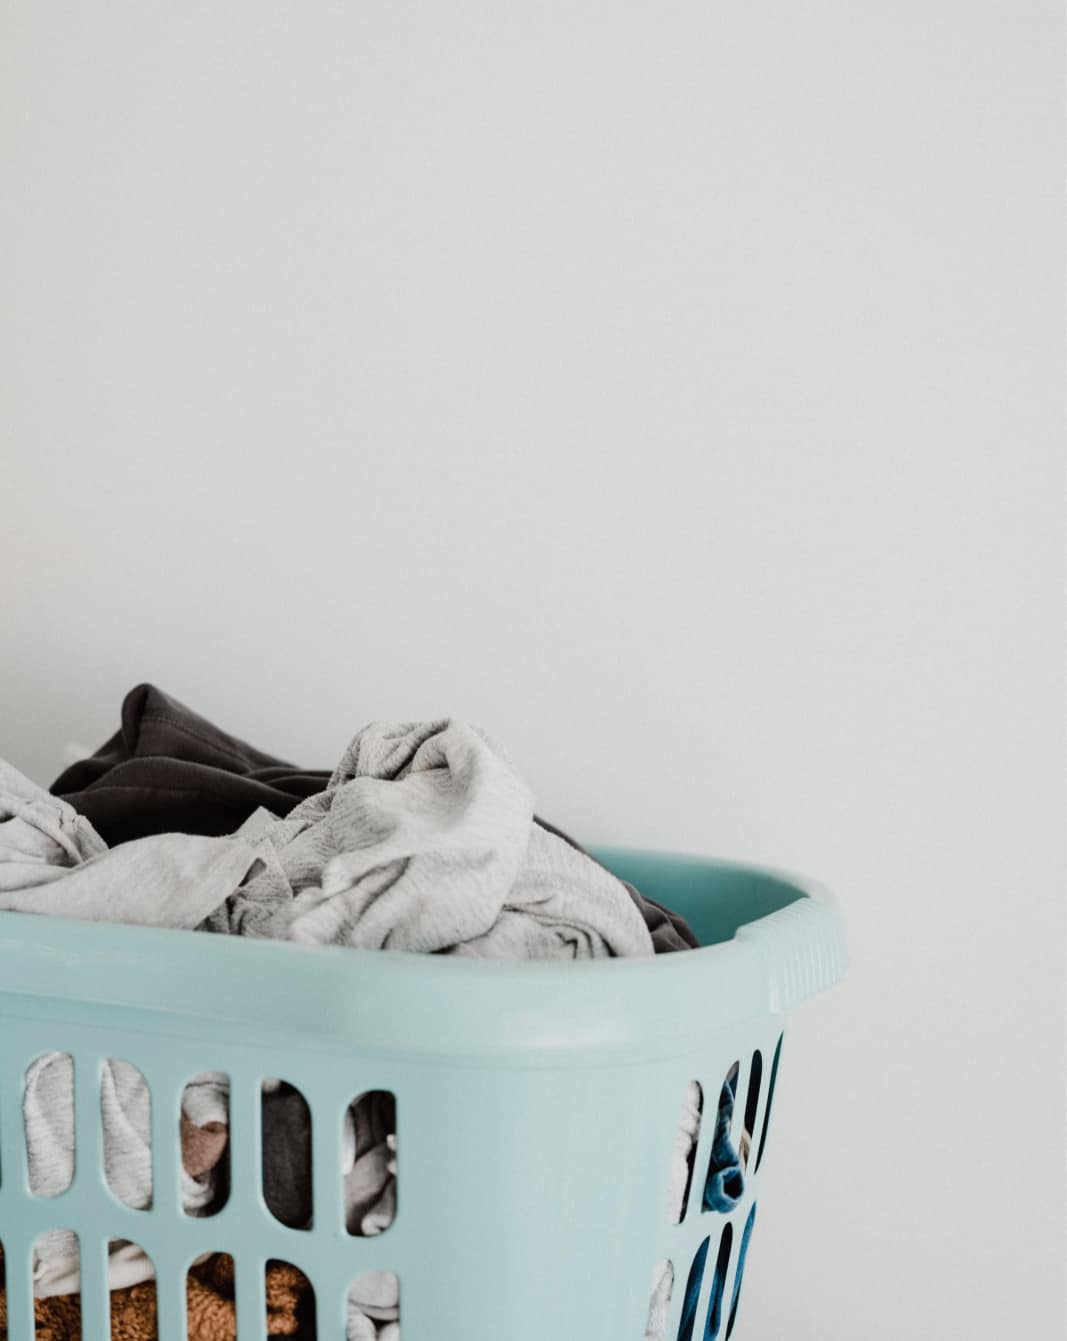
210,1296
290,1306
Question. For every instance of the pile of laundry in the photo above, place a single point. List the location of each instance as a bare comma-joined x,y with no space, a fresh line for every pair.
423,838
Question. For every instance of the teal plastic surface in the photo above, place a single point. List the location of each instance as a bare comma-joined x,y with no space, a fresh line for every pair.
537,1104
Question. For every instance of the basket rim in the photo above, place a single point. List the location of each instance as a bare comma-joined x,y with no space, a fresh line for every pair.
451,1008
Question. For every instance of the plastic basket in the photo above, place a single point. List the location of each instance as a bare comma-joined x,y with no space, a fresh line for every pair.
537,1106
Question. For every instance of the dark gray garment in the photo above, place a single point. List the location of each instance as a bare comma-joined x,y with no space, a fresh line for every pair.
286,1129
169,770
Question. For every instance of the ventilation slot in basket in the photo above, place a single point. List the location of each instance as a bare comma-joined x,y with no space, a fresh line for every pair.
126,1114
131,1276
286,1159
718,1284
683,1156
290,1301
755,1079
373,1307
48,1123
369,1163
210,1297
57,1278
204,1131
692,1293
659,1304
739,1273
770,1100
724,1184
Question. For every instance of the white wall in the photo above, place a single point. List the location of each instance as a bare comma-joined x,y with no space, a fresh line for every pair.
671,388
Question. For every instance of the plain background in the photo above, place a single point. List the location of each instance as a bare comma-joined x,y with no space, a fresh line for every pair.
674,389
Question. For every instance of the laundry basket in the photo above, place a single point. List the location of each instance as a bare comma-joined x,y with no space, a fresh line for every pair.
537,1108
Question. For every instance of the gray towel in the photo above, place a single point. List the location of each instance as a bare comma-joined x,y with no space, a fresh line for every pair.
424,840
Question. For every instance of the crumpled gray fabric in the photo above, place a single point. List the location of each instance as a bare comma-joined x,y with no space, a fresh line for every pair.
424,840
41,838
53,862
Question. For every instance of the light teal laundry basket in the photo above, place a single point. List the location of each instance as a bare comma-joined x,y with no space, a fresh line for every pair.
537,1106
